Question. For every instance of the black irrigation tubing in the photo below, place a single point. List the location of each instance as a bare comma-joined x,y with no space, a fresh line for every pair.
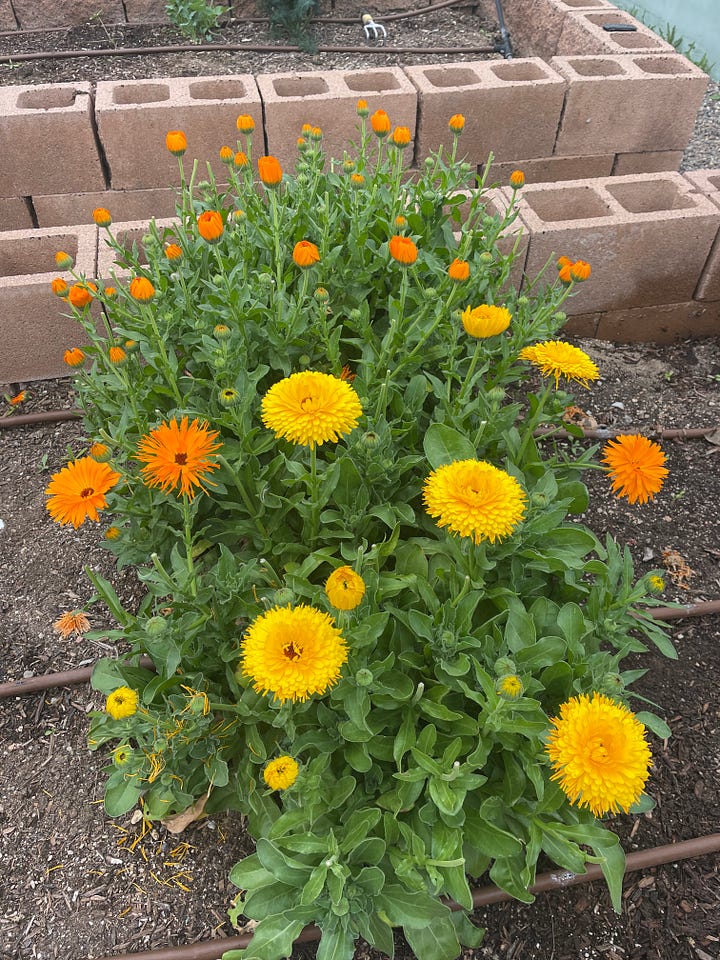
64,678
236,48
386,18
481,896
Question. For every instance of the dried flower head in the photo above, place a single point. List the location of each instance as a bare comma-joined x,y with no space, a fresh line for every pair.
486,320
474,499
636,467
293,652
72,622
178,455
281,773
555,358
311,408
78,491
345,588
18,398
599,753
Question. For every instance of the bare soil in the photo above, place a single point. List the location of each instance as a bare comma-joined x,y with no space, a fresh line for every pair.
79,885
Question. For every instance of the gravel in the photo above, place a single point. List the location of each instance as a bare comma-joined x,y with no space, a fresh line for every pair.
703,151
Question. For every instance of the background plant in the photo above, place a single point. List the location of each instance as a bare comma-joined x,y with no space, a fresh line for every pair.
195,19
425,763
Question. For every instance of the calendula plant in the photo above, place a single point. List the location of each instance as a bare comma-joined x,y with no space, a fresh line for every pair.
195,19
378,628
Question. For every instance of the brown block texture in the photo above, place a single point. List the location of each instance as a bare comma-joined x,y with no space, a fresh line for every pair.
653,161
47,141
134,116
328,99
583,33
7,17
35,325
666,323
511,107
126,234
628,104
15,214
77,208
647,237
707,182
553,169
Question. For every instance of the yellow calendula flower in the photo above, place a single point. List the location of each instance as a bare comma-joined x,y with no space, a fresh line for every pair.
475,499
486,320
599,754
656,583
293,652
345,588
122,703
555,358
510,687
122,754
281,773
636,467
311,407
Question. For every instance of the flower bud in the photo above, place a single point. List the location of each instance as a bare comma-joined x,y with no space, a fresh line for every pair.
363,678
156,626
283,596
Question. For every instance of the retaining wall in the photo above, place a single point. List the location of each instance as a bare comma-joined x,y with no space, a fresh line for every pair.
597,120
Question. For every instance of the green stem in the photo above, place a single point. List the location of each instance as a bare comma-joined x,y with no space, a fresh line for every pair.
471,371
169,373
188,536
314,505
244,495
529,425
395,324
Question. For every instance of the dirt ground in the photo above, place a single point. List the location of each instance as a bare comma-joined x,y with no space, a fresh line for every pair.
79,885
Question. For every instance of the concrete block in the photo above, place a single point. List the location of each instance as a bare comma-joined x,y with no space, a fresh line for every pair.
49,13
36,326
583,33
665,323
628,104
647,237
134,116
582,325
47,140
69,208
654,161
15,214
7,16
707,182
328,99
127,234
511,107
553,169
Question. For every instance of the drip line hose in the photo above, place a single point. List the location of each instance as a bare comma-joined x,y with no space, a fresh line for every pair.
481,896
404,15
237,48
504,44
64,678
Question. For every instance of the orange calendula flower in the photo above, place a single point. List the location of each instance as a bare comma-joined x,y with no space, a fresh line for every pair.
240,159
74,357
178,455
110,293
599,753
357,180
636,466
245,123
99,451
517,179
227,154
486,320
141,289
18,398
301,144
457,123
117,355
59,287
80,294
63,260
400,222
580,271
112,533
316,134
102,217
176,142
362,108
401,137
306,254
306,129
78,491
403,250
459,270
72,622
380,122
345,588
173,252
270,171
210,226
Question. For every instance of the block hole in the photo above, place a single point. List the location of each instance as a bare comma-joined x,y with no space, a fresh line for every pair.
518,71
597,68
371,82
54,99
662,65
226,89
32,255
300,86
573,203
582,3
655,195
714,182
452,77
141,93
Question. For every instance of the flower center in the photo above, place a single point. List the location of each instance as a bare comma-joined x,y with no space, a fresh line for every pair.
308,404
291,652
598,751
181,458
87,492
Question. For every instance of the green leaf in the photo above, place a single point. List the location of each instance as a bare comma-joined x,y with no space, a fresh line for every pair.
654,723
337,942
377,933
274,936
488,838
312,889
358,826
249,873
410,909
468,934
443,445
121,797
107,594
506,874
268,900
436,941
282,867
